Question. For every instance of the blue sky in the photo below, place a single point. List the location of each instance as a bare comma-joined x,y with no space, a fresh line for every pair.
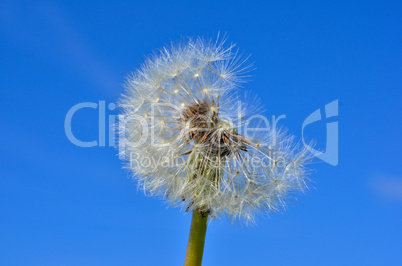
66,205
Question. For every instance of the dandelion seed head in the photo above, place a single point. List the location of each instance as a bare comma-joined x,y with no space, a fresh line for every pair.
186,135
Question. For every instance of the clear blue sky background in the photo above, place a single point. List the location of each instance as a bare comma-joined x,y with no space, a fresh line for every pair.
66,205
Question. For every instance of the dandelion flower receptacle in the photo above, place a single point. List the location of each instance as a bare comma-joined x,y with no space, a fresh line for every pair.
190,139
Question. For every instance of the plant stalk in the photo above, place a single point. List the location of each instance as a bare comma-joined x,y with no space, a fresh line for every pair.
196,239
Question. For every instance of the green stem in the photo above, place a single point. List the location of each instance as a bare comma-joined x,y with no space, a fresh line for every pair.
196,239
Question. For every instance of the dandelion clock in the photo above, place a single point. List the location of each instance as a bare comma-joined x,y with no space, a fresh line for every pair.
190,138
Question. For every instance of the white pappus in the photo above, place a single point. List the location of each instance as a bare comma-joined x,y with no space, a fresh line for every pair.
190,139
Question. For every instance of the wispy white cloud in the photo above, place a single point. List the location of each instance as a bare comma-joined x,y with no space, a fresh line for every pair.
387,187
48,30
